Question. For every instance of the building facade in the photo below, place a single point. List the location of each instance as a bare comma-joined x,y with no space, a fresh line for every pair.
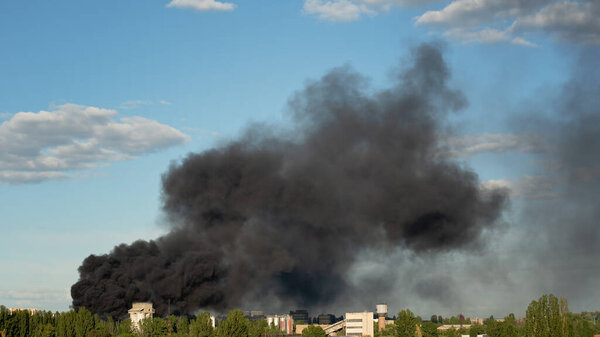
359,323
138,312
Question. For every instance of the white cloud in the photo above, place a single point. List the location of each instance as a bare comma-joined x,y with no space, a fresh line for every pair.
132,104
202,5
571,21
352,10
528,187
46,145
467,20
498,143
486,35
336,10
523,42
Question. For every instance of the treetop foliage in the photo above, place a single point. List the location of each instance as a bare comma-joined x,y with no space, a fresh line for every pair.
548,316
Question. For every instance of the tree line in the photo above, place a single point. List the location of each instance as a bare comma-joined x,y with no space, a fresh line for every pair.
549,316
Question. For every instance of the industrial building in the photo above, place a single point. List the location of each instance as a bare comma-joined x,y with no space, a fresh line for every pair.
138,312
285,323
326,319
300,316
359,323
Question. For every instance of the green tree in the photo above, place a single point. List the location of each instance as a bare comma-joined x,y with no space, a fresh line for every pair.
257,328
45,330
201,326
429,329
405,324
313,331
235,325
84,322
123,327
547,317
451,333
153,327
183,326
434,319
476,329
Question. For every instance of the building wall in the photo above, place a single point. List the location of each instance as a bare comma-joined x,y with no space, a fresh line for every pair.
359,324
140,311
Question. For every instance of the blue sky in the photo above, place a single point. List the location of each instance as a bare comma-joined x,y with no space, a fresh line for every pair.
98,97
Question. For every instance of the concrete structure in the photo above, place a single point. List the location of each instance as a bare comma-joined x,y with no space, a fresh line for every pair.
138,312
381,313
301,327
359,323
285,323
477,320
335,328
31,311
453,326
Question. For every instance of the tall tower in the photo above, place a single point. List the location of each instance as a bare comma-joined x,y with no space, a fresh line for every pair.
381,312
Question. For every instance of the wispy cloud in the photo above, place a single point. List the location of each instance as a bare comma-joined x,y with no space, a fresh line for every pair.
352,10
470,145
132,104
202,5
511,20
49,144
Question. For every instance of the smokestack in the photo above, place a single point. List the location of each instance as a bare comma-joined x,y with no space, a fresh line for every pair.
281,217
381,313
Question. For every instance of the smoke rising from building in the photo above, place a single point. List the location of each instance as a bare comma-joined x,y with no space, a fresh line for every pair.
285,214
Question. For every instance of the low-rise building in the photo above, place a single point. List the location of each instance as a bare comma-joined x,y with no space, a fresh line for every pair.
453,326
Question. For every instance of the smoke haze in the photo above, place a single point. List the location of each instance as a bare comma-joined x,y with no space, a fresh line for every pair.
280,218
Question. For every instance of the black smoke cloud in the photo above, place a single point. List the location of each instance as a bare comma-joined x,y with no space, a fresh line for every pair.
283,215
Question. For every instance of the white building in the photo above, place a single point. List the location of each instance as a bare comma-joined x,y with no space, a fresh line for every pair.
138,312
359,324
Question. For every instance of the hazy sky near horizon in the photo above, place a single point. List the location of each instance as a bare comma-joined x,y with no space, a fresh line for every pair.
97,98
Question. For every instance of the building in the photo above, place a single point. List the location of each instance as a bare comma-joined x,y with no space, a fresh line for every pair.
31,311
326,319
285,323
300,316
453,326
359,323
477,320
254,315
138,312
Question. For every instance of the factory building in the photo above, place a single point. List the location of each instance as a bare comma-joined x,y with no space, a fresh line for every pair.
285,323
254,315
300,316
138,312
359,323
326,319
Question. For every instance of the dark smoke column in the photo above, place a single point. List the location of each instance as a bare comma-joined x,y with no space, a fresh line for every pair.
284,217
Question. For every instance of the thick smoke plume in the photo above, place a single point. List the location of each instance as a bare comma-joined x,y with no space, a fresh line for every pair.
284,217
